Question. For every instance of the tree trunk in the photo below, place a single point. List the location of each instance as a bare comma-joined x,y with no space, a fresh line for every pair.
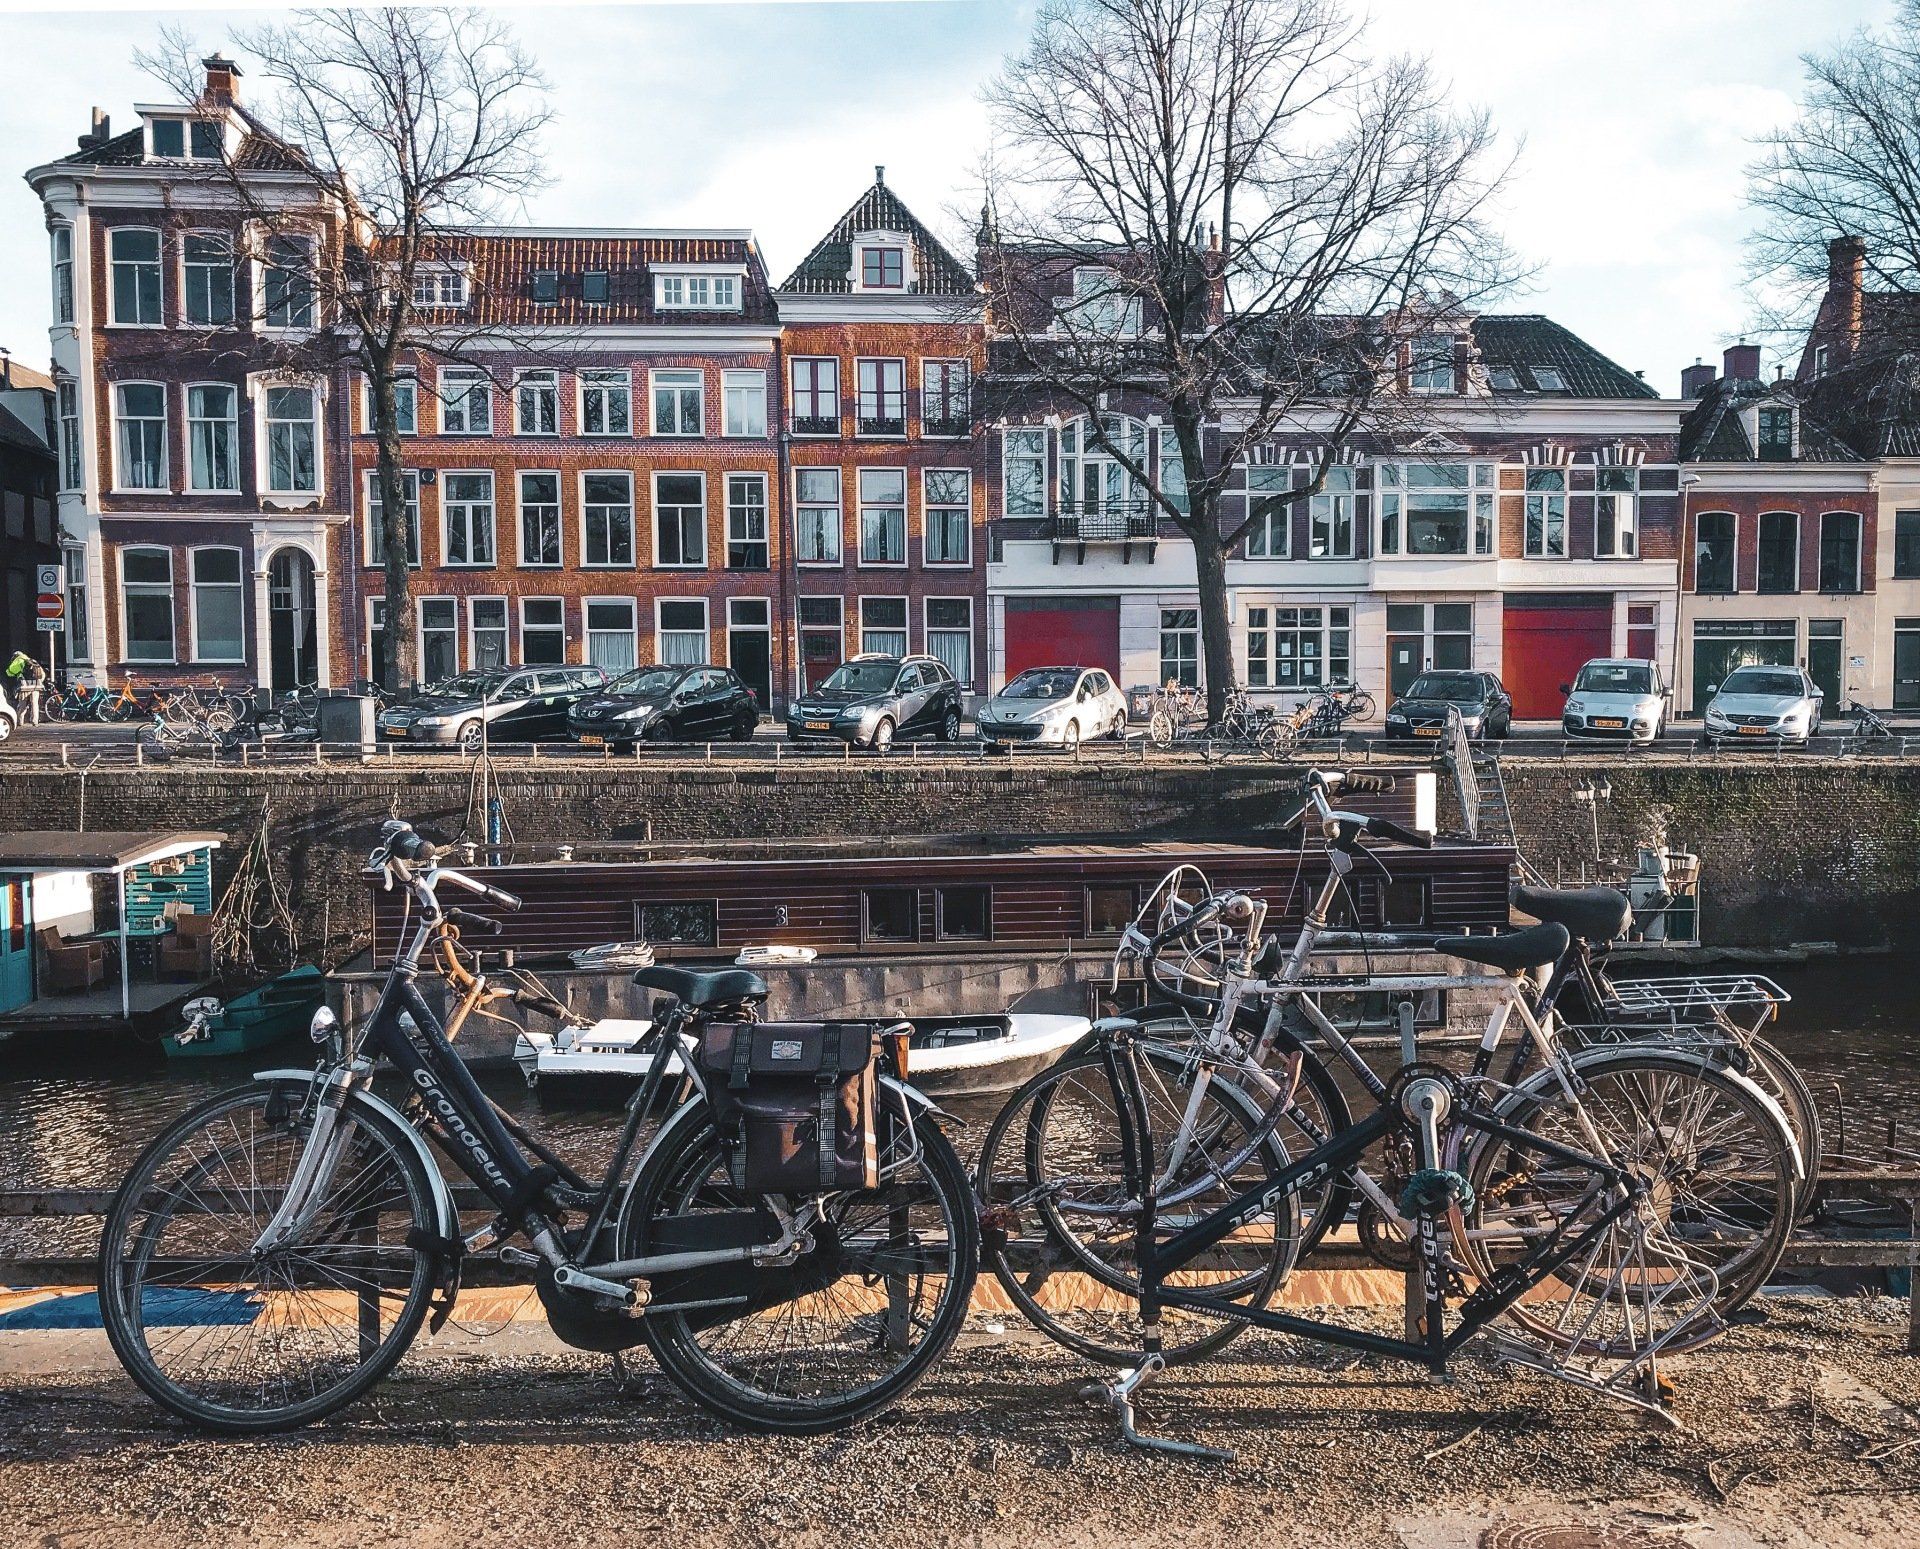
1216,625
393,533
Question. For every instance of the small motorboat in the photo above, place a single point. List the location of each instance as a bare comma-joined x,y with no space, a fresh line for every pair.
263,1015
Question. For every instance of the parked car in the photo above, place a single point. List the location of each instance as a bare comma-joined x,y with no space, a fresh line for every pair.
1616,696
1058,705
870,700
9,717
1422,711
514,704
665,704
1779,702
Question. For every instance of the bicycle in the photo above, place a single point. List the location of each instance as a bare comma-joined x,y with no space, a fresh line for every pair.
1868,724
1171,710
73,701
1328,711
274,1252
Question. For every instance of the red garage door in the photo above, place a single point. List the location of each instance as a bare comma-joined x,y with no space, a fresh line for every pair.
1546,640
1063,632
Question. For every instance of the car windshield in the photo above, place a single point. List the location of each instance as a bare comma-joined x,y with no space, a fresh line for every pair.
1760,680
1461,688
1613,678
465,685
874,677
1041,683
646,682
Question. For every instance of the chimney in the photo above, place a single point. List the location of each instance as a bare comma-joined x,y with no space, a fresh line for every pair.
223,78
1741,362
1696,379
1846,306
101,132
880,176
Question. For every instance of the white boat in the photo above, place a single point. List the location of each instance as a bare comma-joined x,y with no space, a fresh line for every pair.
950,1056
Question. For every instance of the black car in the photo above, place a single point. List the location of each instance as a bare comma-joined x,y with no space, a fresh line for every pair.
512,704
666,704
1422,711
871,700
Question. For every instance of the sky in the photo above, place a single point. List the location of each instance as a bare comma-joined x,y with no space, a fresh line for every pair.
1632,120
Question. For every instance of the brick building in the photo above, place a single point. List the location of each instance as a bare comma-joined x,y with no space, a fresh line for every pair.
29,537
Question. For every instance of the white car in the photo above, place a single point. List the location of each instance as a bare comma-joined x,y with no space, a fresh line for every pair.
1759,702
9,717
1616,696
1057,706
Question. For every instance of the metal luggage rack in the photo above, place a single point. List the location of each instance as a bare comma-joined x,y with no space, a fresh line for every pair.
1748,1000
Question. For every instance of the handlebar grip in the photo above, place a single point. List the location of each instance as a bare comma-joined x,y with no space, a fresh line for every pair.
1386,828
1367,782
467,920
503,899
546,1005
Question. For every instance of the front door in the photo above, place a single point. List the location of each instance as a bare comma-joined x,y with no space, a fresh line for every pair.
750,647
290,620
1906,664
16,943
1825,661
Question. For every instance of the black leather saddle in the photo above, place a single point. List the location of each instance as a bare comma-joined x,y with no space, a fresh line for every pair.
1594,914
1527,948
720,988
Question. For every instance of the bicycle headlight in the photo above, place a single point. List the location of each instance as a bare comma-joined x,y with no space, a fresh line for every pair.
325,1030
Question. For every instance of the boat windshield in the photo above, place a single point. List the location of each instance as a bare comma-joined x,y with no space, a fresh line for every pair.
873,677
1041,683
1614,678
1459,688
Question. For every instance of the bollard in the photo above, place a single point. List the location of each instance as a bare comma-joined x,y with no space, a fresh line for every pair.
63,755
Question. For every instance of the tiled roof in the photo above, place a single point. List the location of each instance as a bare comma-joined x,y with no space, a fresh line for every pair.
1521,342
15,433
1714,432
123,150
827,269
503,268
259,152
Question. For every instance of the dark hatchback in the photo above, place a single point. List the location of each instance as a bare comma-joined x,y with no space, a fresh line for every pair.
1478,696
871,700
666,704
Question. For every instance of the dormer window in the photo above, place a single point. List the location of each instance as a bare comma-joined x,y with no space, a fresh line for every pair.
546,286
439,288
1776,434
688,291
883,268
1430,367
181,139
596,287
1502,379
1549,379
1100,305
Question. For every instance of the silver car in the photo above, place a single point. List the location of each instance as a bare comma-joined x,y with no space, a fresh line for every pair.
1616,696
1761,702
1058,706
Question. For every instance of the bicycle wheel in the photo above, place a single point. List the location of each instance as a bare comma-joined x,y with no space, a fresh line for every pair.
856,1322
1160,729
1778,1078
1715,1159
238,1340
1059,1226
1359,707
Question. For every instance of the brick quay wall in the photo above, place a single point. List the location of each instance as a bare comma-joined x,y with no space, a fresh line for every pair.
1795,850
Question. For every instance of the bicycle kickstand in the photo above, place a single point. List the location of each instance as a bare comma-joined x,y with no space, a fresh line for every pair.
1119,1398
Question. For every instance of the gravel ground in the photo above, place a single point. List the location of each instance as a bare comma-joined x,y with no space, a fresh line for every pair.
1802,1430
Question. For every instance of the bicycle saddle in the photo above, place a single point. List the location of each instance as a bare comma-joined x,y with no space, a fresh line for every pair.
703,989
1594,914
1527,948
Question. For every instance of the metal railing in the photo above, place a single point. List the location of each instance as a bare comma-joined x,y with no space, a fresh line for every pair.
1112,521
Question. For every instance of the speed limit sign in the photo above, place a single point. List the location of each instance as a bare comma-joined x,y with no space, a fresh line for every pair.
49,578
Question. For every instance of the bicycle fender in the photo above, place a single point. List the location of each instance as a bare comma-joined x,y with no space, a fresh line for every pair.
447,1218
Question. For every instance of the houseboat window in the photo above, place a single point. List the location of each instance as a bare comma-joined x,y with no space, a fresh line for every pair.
965,912
678,924
891,914
1404,902
1110,909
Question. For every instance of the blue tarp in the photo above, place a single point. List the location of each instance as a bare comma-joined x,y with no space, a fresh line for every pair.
165,1307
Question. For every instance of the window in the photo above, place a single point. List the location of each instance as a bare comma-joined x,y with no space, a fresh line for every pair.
439,639
376,524
596,287
1549,379
883,516
288,284
606,503
883,625
1110,908
946,398
1094,482
946,504
1779,558
1502,379
1180,646
146,597
439,288
1173,468
539,518
680,519
1776,434
1616,513
816,396
883,268
62,274
697,292
466,507
1330,517
377,639
291,465
79,634
219,633
1546,513
177,138
1436,509
543,630
212,438
536,403
1269,511
466,403
1819,360
746,521
1298,647
746,402
1839,552
207,265
134,257
1430,364
1906,545
1024,473
70,468
679,407
681,631
883,397
606,403
169,136
140,413
486,632
406,405
963,913
546,287
950,635
890,914
1713,552
679,924
1100,305
816,494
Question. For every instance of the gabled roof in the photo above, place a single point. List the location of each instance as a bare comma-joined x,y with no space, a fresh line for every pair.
1520,342
827,270
15,432
1715,432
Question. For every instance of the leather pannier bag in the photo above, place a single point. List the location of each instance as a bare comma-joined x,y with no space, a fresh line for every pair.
794,1103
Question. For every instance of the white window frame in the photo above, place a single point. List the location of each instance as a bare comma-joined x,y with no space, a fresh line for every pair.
1043,437
232,422
861,507
115,264
927,632
1630,527
633,537
1263,618
60,240
1261,528
698,288
587,631
900,250
473,629
492,529
1425,365
656,385
765,540
79,632
706,628
653,485
1324,508
470,380
1199,657
531,379
73,470
165,486
263,452
906,620
420,634
879,363
440,287
839,528
1391,493
231,267
194,587
1551,507
927,508
149,588
369,487
751,389
266,267
407,425
521,613
520,477
608,384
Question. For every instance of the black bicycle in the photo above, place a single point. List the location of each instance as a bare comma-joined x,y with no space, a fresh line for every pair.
273,1253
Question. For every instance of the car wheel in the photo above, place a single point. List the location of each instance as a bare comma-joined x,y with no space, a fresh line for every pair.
882,738
6,727
1070,738
950,726
659,731
1118,731
471,736
743,730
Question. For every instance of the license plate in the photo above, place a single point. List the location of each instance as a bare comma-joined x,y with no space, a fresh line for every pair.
1426,731
1752,731
819,725
589,740
1610,722
396,731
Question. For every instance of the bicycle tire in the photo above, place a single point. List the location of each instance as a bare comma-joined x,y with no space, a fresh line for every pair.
1782,1081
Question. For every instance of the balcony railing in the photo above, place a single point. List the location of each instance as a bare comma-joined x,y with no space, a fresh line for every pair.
944,414
1113,521
816,424
883,425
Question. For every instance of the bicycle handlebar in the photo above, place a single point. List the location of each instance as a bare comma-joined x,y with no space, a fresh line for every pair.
1386,828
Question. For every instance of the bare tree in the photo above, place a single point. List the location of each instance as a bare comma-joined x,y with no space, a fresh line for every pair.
1214,204
397,129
